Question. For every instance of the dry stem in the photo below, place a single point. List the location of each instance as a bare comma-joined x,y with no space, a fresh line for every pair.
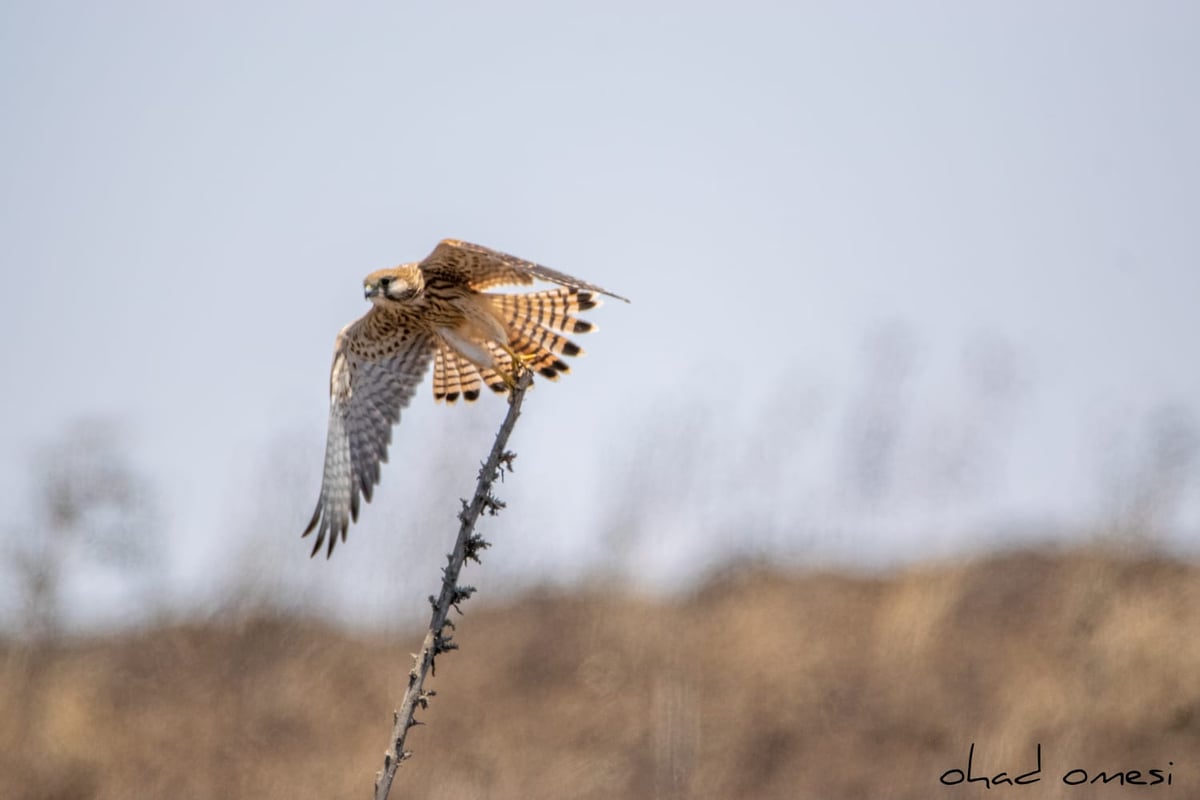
467,546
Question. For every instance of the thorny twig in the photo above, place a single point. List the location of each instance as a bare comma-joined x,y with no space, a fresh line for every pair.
468,546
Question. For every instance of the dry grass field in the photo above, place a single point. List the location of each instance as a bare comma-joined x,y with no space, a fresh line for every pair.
756,685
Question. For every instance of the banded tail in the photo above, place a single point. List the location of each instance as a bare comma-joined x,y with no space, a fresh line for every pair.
535,324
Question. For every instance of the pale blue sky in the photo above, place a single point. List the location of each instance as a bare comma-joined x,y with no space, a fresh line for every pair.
192,193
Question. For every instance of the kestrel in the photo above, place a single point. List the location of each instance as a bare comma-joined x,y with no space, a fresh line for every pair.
436,311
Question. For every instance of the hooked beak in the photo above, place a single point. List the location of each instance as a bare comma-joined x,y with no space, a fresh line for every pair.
370,291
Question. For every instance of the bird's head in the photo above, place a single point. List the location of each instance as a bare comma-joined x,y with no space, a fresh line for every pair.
393,285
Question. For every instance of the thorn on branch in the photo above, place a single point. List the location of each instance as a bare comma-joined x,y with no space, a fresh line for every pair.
461,593
506,462
475,544
493,505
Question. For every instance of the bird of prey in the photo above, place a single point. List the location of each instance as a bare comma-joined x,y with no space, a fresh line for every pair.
436,311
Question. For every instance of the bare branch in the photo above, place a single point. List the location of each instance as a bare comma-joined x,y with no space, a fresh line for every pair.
468,545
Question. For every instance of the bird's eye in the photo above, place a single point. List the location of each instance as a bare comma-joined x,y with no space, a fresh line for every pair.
384,283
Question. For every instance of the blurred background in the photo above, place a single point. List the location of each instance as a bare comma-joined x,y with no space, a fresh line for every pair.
899,434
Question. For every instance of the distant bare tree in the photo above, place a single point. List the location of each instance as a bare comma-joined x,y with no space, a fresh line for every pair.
1143,484
964,447
91,508
258,579
876,418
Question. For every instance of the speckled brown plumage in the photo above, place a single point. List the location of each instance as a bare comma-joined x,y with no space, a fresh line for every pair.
435,311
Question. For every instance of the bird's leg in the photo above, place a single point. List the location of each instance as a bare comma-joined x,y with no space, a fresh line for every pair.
519,363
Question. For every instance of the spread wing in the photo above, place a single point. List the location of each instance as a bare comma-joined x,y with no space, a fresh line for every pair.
369,383
481,267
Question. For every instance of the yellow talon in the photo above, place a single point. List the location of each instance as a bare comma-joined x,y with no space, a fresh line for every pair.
519,361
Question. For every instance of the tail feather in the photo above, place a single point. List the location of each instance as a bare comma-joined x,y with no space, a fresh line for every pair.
492,379
541,354
535,324
549,309
454,376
